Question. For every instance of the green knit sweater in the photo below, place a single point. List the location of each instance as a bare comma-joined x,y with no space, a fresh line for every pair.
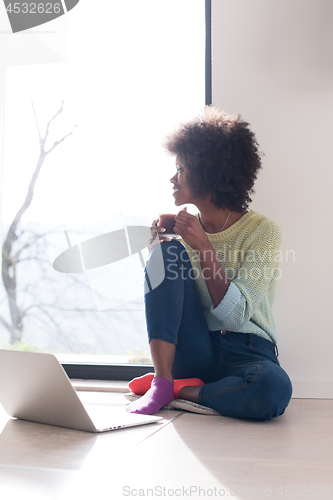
248,252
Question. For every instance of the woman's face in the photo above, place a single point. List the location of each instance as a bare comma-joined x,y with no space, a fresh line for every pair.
181,191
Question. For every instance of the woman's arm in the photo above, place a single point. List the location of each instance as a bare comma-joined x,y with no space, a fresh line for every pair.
254,285
213,273
235,303
190,229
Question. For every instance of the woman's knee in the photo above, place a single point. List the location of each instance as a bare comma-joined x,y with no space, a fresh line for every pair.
173,251
274,392
168,259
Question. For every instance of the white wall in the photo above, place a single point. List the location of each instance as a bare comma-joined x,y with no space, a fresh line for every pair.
273,64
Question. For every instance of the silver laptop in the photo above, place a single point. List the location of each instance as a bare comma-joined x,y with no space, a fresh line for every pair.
34,386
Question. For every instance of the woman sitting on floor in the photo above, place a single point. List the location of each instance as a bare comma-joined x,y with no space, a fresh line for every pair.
210,324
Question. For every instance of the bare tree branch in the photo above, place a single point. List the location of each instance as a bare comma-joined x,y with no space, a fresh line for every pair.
5,324
56,143
10,261
52,119
33,107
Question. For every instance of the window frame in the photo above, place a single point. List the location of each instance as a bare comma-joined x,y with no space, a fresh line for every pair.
127,371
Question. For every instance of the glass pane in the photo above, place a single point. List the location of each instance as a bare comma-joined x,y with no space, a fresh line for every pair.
88,100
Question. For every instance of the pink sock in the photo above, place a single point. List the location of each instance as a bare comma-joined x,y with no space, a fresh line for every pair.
160,394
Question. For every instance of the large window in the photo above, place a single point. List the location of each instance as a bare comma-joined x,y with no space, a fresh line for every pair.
88,99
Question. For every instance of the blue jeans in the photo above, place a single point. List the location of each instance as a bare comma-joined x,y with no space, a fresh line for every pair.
242,375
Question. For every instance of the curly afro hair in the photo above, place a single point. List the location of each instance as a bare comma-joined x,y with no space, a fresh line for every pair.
221,154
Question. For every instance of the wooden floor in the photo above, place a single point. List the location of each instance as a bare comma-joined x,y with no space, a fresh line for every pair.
185,456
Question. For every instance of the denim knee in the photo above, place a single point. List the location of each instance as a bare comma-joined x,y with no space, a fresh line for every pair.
273,395
174,251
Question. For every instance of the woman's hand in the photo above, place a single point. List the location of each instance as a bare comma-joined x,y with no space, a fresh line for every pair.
189,228
156,235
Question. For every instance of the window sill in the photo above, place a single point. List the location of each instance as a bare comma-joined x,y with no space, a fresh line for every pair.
100,385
